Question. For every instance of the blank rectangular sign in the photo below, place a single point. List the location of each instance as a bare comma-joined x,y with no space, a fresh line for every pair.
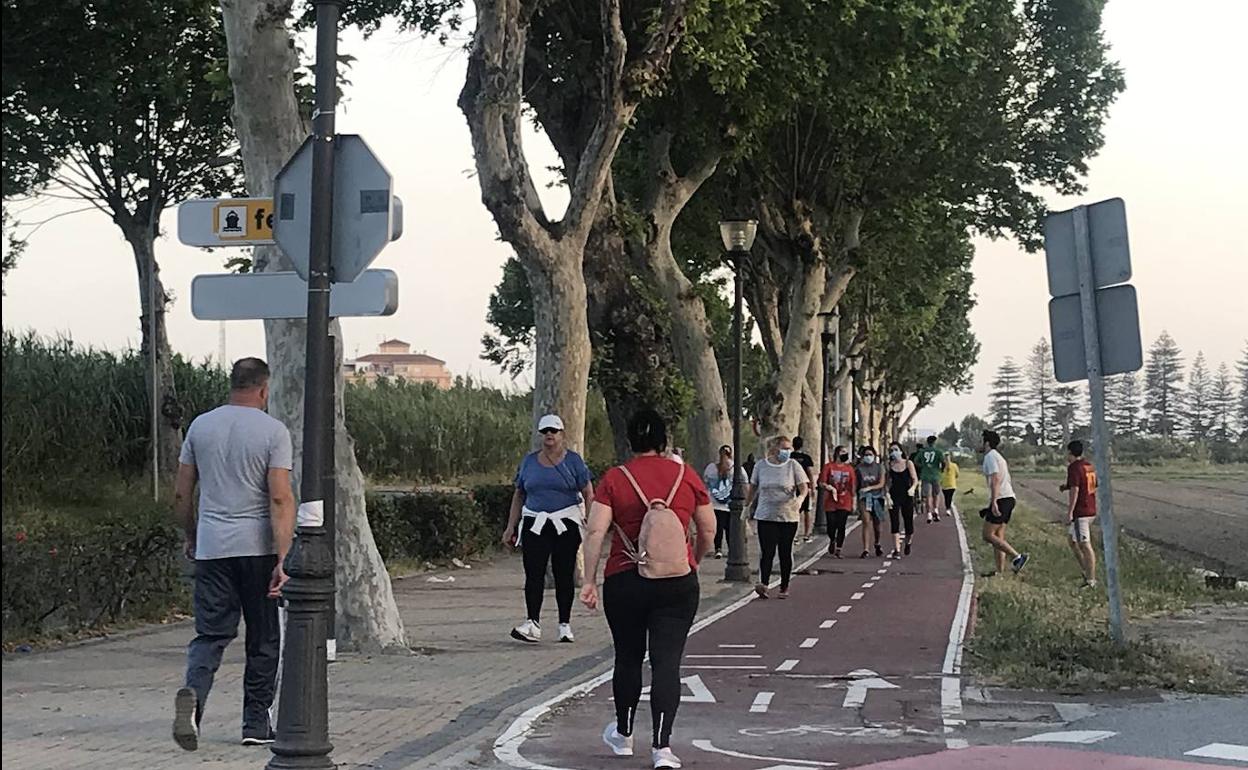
1118,320
232,297
1107,236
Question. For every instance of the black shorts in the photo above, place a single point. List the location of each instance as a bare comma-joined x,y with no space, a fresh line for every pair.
1005,505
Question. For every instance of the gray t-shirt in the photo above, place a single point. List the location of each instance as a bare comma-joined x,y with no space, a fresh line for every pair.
776,490
233,448
719,486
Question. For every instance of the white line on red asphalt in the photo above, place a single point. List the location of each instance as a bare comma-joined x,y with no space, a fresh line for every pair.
736,646
724,656
827,624
880,572
809,642
788,665
951,684
868,585
844,608
761,703
726,668
858,595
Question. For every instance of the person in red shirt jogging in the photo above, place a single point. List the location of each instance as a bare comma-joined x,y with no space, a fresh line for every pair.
839,484
1081,510
647,612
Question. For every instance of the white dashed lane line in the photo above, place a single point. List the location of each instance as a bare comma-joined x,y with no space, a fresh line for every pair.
880,572
788,665
722,657
827,624
868,585
809,642
844,608
762,702
736,646
857,596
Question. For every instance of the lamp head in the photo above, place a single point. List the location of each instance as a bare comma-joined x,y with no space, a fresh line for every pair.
738,234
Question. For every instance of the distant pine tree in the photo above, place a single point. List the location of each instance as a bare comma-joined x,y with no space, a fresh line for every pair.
1162,377
1006,397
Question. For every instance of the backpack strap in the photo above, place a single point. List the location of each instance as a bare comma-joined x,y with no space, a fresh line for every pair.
680,476
637,487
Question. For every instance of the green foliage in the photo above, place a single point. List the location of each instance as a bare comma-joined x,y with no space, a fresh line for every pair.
427,525
1007,399
115,560
1163,375
74,413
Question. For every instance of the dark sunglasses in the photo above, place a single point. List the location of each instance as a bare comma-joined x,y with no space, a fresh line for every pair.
548,431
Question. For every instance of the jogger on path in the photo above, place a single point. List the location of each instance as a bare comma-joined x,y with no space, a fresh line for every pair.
1000,504
650,593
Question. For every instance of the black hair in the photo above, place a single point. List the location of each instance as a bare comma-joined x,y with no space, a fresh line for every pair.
992,438
931,440
836,451
725,448
862,450
647,432
1075,448
248,373
797,442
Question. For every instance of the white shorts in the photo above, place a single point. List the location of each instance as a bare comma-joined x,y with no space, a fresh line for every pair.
1081,529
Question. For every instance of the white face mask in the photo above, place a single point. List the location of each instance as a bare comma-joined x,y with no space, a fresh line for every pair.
895,454
868,458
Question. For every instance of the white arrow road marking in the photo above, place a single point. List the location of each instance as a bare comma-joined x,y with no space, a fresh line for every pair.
698,691
1231,751
1069,736
844,608
788,665
809,642
761,703
827,624
804,763
861,680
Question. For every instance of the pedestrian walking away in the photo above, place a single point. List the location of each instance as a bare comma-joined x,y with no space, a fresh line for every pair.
807,533
930,463
838,480
1000,505
1081,509
547,514
870,482
903,479
949,484
650,588
778,486
718,478
240,458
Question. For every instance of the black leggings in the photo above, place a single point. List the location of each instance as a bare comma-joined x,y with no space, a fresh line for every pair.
903,509
948,498
549,547
660,613
773,535
836,526
721,529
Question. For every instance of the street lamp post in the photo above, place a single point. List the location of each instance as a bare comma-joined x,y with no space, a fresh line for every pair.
738,236
855,373
826,340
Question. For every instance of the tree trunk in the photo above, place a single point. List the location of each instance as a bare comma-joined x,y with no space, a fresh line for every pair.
561,339
262,63
812,406
169,420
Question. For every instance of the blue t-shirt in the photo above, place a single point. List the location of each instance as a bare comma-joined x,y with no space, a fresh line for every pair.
548,489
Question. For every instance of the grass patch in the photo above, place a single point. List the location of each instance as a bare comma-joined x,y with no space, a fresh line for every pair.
1041,630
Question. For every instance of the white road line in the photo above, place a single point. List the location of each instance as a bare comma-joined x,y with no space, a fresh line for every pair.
725,668
788,665
858,595
888,564
507,745
844,608
723,656
827,624
951,683
762,702
708,746
880,572
736,646
809,642
868,585
1069,736
1231,751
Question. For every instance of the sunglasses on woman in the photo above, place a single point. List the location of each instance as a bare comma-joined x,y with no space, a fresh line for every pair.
548,431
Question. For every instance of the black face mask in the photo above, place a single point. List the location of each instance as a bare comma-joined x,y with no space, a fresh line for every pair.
843,456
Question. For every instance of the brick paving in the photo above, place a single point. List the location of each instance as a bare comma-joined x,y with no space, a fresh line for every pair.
108,704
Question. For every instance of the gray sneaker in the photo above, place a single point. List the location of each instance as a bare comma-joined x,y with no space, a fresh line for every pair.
186,719
258,736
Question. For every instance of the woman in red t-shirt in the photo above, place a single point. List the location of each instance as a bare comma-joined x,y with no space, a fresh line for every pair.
839,484
642,612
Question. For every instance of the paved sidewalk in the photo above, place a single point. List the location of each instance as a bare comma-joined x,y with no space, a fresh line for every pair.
108,704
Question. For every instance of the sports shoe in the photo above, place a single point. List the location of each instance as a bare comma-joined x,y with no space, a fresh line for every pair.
719,554
186,719
620,745
1088,584
664,759
784,593
836,554
879,551
528,631
930,519
865,555
906,550
260,736
761,590
565,633
1019,562
894,554
936,517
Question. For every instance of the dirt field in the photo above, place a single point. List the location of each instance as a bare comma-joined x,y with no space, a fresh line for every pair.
1203,522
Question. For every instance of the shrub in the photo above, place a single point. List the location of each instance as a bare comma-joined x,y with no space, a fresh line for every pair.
494,501
74,572
426,525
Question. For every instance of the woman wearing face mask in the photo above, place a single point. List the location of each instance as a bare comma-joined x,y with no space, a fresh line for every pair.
903,479
779,483
870,481
838,482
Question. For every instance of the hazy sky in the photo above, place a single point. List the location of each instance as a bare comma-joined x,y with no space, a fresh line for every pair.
1172,153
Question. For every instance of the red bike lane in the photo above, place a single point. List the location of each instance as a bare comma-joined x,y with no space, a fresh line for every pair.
848,671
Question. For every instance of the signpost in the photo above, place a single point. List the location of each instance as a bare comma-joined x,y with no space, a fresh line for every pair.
1086,252
208,222
232,297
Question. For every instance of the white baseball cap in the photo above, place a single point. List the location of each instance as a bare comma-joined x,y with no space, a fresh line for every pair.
550,421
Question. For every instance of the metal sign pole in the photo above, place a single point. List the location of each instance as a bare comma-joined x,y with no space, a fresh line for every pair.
1100,433
738,568
303,721
151,334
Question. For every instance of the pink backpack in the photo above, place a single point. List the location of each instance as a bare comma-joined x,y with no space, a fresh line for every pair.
662,547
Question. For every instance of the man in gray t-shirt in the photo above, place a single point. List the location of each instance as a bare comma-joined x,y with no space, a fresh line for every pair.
241,459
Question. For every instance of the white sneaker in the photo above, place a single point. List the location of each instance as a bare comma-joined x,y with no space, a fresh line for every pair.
528,631
565,633
664,759
621,745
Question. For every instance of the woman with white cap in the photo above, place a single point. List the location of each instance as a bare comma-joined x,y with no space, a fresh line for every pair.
547,514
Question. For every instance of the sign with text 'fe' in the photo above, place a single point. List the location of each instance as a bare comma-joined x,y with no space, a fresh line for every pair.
226,222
